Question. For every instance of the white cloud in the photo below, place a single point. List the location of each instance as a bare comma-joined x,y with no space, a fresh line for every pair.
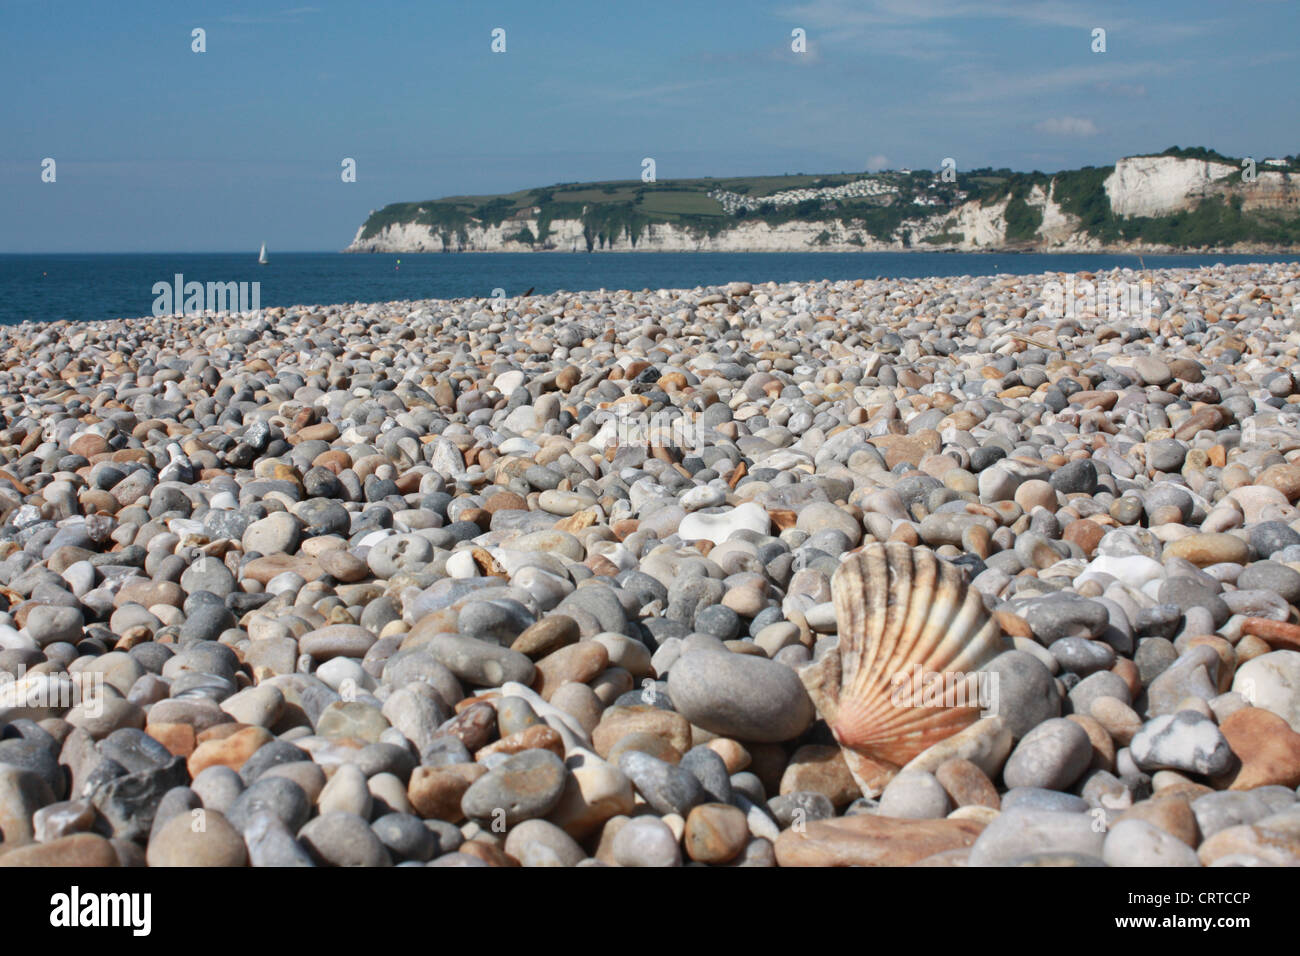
877,162
1067,126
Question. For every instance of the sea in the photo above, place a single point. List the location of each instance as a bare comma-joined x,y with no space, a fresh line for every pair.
90,287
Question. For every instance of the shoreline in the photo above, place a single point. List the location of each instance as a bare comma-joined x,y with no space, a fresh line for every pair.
1082,250
701,290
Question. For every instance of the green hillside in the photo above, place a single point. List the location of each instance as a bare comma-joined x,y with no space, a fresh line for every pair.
609,210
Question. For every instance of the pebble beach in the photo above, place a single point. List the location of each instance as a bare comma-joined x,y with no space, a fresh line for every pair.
555,580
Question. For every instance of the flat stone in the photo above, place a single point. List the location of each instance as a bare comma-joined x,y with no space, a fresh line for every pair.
336,640
547,636
873,841
78,850
480,663
1015,834
1204,550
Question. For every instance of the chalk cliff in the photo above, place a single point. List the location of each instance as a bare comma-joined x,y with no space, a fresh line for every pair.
1138,189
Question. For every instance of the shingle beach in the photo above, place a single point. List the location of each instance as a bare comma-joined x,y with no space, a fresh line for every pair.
552,581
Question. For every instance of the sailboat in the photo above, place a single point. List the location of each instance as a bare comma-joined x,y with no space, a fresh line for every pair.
261,256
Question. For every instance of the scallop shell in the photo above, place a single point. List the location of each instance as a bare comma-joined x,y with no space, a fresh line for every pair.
903,616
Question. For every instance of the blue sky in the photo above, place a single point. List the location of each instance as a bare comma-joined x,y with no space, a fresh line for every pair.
159,148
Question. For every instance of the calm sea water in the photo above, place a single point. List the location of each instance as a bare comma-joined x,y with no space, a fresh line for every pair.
89,287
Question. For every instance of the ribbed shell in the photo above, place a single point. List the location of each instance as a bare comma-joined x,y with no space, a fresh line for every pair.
901,612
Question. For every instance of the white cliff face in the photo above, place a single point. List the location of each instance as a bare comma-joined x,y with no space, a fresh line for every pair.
566,235
1060,230
1158,185
1057,225
982,226
414,237
979,226
1139,186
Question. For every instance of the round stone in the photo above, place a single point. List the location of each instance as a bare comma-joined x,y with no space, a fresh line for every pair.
406,837
741,696
279,533
343,565
715,833
208,574
398,553
822,516
203,838
541,843
1139,843
1027,693
667,788
50,624
1078,477
915,794
1206,549
1271,576
525,786
1272,681
1052,756
1166,454
1186,741
646,841
343,839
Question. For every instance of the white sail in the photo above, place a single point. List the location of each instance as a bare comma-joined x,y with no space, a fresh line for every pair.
261,256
